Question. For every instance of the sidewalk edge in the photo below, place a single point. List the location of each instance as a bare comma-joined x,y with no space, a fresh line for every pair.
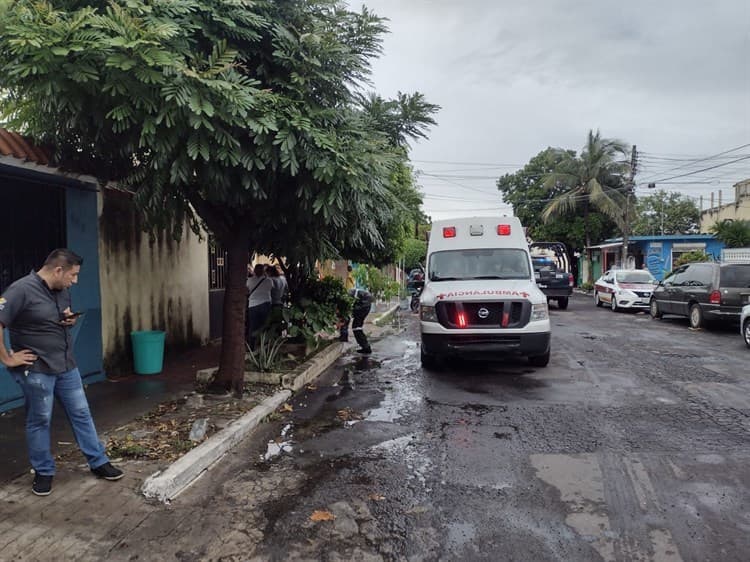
167,484
387,315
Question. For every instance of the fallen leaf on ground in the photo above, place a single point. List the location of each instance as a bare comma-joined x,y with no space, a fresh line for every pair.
376,497
347,414
287,408
322,516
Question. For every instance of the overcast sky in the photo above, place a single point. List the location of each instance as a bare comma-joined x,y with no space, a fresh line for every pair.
670,76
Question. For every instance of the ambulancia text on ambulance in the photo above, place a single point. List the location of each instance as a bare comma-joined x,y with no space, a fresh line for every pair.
480,299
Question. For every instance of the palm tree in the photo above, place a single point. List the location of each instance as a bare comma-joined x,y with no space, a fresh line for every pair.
734,233
595,180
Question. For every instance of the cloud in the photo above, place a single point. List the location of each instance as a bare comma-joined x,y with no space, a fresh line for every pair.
516,77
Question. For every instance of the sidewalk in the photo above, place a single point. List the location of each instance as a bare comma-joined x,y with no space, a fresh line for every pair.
116,402
113,403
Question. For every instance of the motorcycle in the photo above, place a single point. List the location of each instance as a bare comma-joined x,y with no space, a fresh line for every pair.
414,305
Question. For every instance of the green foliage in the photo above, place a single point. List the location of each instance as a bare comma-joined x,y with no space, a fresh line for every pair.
691,257
379,284
526,191
666,213
593,181
586,286
316,308
414,253
267,356
734,233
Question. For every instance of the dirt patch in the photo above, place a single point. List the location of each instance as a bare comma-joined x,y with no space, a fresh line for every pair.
163,434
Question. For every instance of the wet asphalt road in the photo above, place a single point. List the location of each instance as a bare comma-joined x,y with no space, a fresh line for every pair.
633,444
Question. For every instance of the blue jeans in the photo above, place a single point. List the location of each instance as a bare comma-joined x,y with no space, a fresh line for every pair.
40,391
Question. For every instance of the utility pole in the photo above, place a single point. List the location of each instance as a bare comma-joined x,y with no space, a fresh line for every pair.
630,195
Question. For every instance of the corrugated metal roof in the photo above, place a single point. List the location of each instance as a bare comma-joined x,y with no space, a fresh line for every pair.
13,144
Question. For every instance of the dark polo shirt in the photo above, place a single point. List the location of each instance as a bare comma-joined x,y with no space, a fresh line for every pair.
31,312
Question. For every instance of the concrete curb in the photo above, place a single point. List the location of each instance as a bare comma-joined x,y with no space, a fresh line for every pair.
166,485
386,316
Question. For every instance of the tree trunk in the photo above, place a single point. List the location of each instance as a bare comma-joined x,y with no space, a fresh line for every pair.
232,362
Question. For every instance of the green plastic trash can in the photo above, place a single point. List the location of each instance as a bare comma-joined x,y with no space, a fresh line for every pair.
148,351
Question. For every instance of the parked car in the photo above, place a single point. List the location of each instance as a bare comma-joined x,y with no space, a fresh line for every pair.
745,324
704,292
624,289
551,271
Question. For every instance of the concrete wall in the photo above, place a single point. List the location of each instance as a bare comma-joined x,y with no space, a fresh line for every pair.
739,209
148,284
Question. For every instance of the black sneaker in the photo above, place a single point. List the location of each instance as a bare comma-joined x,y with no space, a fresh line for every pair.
367,351
42,485
108,472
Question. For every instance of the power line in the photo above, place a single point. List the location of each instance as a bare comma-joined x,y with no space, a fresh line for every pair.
699,171
709,158
447,162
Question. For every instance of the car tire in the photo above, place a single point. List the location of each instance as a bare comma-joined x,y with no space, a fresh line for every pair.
539,360
746,332
597,300
696,317
613,304
562,303
428,361
653,309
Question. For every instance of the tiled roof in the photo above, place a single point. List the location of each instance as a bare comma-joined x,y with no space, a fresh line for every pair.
13,144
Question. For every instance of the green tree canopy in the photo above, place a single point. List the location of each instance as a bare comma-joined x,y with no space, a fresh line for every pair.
666,213
734,233
242,115
526,191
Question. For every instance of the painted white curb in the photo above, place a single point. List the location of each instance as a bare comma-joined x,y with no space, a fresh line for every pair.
166,485
383,318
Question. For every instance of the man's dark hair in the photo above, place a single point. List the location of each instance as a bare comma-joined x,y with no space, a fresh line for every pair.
348,267
62,257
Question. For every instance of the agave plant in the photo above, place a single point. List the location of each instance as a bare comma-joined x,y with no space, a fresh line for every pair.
267,357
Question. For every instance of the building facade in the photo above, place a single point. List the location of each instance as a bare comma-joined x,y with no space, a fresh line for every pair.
739,209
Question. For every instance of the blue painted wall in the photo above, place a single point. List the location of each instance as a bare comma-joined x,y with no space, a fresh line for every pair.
83,238
658,253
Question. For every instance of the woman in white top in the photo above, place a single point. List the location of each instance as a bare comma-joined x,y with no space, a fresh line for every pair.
258,304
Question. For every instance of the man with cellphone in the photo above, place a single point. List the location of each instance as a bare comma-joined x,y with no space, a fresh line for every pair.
37,312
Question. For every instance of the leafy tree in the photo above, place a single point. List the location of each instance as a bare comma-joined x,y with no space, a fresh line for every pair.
734,233
666,213
415,253
595,180
526,191
240,115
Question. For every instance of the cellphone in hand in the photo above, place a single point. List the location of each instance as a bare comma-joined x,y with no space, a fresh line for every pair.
71,316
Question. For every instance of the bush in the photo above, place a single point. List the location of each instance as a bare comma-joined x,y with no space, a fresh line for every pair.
317,308
691,257
379,285
586,286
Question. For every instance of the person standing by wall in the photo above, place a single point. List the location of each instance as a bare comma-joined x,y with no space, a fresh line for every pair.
258,303
37,311
279,291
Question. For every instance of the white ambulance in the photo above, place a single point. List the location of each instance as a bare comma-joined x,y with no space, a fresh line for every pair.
480,299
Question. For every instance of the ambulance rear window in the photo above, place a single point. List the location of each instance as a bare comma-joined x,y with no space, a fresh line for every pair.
490,263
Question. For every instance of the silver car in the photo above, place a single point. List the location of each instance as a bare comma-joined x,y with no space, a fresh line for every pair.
745,324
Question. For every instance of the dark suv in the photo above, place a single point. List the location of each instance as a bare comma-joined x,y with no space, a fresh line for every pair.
704,292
